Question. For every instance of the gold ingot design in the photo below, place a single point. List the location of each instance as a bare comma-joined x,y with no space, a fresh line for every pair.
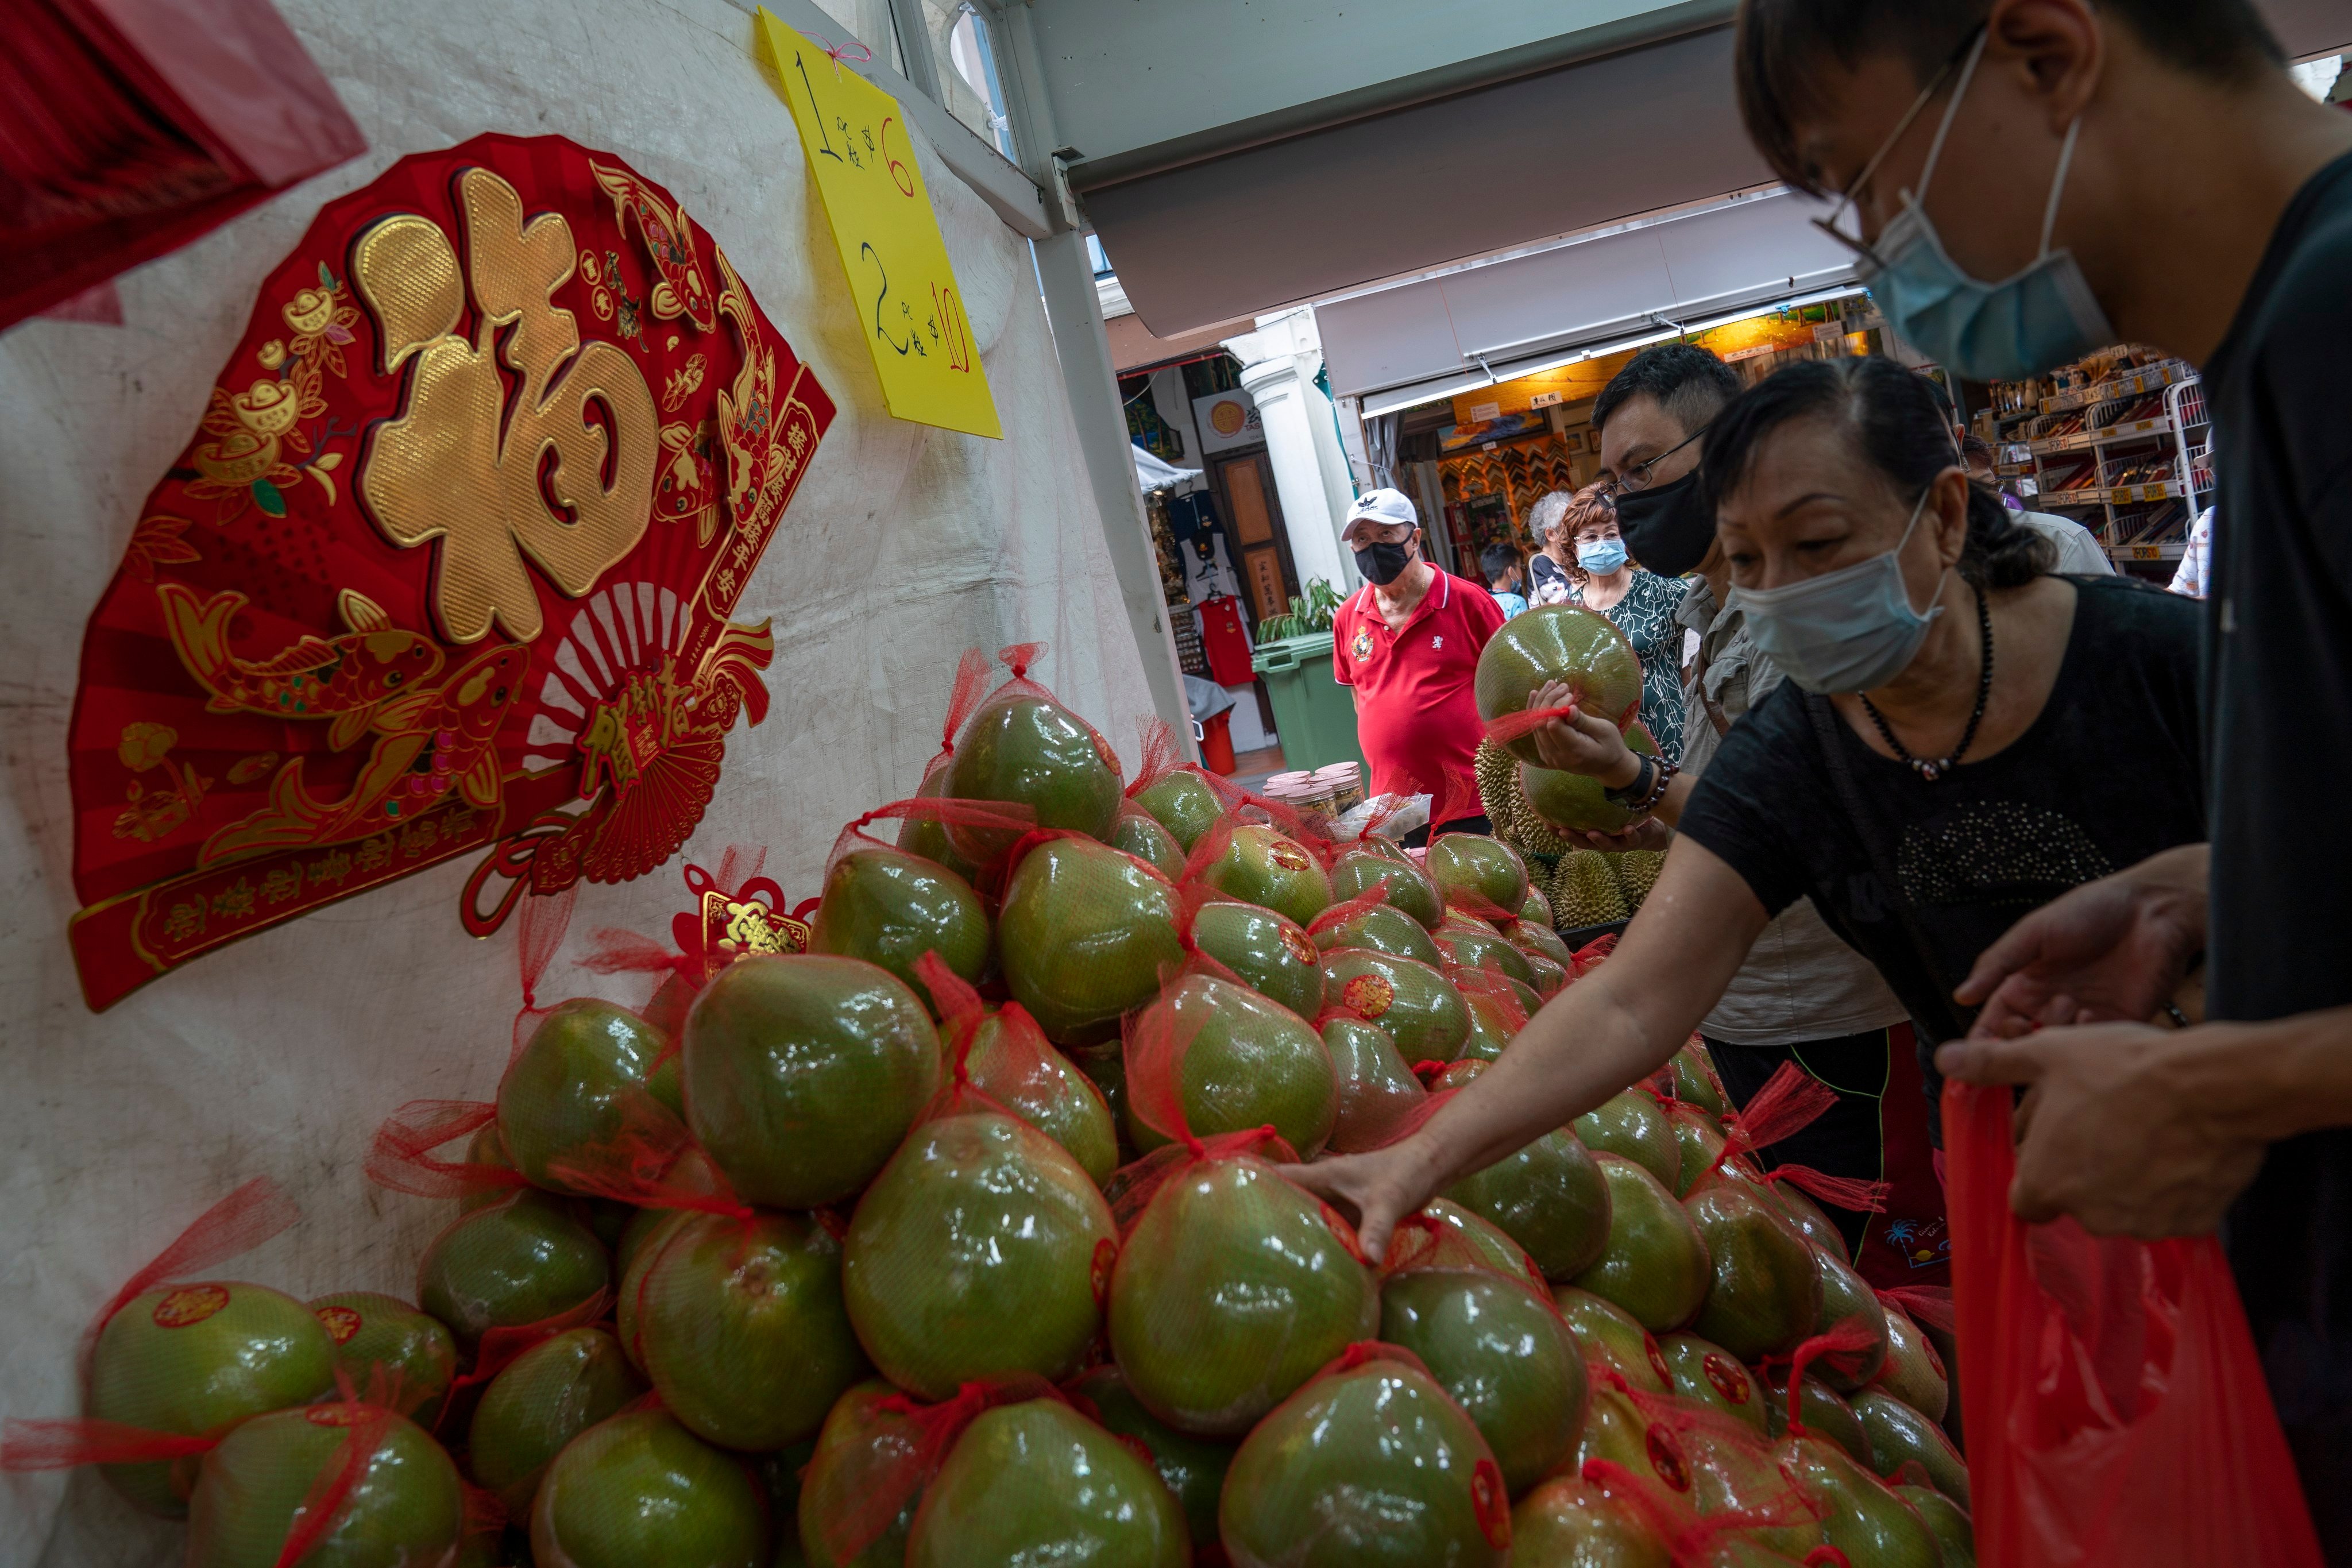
267,407
237,458
444,470
308,312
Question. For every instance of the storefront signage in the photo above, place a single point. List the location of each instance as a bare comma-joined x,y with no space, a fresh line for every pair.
910,312
1226,420
448,567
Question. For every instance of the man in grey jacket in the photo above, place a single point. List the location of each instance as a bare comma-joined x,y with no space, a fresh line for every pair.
1803,995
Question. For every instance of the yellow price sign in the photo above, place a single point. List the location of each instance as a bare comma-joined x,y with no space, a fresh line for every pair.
891,250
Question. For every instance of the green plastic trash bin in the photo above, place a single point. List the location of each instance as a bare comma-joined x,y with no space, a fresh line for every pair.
1314,716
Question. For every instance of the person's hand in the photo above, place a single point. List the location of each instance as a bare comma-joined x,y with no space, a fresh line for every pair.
2110,950
2120,1127
1647,834
1375,1190
1581,742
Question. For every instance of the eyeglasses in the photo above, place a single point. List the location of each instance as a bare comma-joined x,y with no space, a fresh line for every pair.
1637,478
1963,54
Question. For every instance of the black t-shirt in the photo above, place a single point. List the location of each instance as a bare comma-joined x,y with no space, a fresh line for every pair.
2108,775
2278,704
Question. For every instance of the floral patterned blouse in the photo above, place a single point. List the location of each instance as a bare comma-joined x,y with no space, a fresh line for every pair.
1646,615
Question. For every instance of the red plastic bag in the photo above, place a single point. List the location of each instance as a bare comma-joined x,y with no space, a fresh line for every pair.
2116,1409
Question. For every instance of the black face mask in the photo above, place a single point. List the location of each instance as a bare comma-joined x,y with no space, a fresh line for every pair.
1382,564
1667,528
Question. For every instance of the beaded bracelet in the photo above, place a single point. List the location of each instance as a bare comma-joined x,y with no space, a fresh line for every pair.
1648,788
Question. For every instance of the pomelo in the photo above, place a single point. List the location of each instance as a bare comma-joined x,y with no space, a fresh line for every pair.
1537,940
1807,1215
928,838
1765,1293
890,908
1406,886
1368,1464
520,1261
1457,1075
1504,1356
1262,867
1039,1085
1946,1520
1695,1079
1274,957
1914,1373
394,1354
1700,1138
1549,1197
691,1171
741,1326
1181,802
1860,1516
566,1102
1571,1522
1563,643
404,1505
1483,1239
1231,1291
1039,1483
1610,1335
1246,1063
539,1402
1537,911
866,1441
1572,803
1705,1373
1377,1088
1480,873
1823,1413
1085,934
1899,1433
195,1360
1490,1031
1547,978
1484,951
1849,1305
803,1072
981,1250
1031,751
1382,929
486,1149
1655,1265
1193,1467
640,1489
1633,1126
1141,837
1418,1006
1107,1070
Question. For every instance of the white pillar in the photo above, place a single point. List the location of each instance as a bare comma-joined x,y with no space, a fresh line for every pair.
1279,364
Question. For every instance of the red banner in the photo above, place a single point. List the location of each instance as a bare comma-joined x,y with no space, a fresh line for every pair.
449,564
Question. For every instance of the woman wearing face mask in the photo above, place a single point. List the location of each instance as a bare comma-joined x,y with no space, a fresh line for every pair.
1550,570
1639,603
1960,737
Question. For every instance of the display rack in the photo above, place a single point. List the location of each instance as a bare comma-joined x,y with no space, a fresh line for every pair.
2123,454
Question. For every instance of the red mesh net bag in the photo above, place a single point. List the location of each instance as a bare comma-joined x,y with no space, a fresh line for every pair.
1791,1100
894,1475
1378,1092
1701,1481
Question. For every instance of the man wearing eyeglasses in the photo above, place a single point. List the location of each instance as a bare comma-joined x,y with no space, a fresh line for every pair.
1803,996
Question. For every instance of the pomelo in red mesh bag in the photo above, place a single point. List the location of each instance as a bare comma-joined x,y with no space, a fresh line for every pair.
1493,1340
1764,1295
1490,1245
1654,1266
982,1250
197,1359
1085,934
1270,955
1554,642
1819,1409
1022,747
1483,949
1634,1126
1372,1462
890,908
1374,863
584,1074
1139,834
1549,1197
802,1073
1417,1005
1860,1515
1700,1136
1571,1522
390,1351
926,837
539,1402
1705,1373
1946,1520
639,1489
522,1260
1378,1093
1193,1467
336,1482
1914,1372
1705,1483
1849,1304
741,1324
1260,865
1009,1060
486,1151
1611,1337
871,1436
1479,874
1240,1061
1363,923
1183,801
1536,939
1695,1079
1037,1482
1574,803
1900,1435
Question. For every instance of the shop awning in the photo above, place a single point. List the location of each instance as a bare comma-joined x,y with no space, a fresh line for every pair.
1684,272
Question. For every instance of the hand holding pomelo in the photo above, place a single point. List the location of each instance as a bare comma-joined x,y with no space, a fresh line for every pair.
1564,643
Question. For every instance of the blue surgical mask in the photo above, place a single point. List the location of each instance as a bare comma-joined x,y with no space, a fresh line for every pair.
2019,327
1849,630
1601,556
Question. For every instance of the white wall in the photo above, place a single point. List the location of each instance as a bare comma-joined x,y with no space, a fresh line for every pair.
278,1055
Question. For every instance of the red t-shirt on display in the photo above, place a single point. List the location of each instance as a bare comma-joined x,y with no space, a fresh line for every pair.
1224,642
1419,725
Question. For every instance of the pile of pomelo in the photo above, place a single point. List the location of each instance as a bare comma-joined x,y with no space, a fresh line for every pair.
966,1239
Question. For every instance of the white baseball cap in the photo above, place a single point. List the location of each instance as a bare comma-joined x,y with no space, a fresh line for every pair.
1380,506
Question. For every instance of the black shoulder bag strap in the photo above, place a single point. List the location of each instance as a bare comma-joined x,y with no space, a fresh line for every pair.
1826,729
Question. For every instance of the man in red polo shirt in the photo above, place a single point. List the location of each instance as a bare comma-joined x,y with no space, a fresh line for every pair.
1408,643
